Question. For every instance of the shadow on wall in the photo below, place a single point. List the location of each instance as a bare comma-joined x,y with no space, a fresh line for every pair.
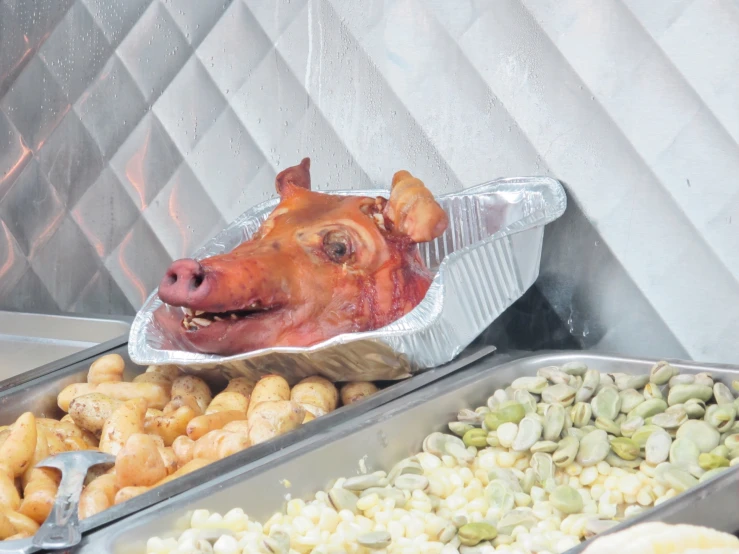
583,299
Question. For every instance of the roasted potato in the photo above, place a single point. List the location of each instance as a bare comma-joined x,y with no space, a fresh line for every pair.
191,391
70,392
269,388
228,401
170,426
40,493
219,444
354,392
9,495
139,462
126,420
72,436
183,447
203,424
270,419
242,385
91,411
16,453
238,426
23,525
128,493
7,529
156,395
99,495
169,458
317,395
106,369
159,374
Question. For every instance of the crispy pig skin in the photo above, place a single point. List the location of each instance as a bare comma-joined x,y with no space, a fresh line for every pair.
319,266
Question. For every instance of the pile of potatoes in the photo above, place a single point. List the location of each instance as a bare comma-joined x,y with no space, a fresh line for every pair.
161,426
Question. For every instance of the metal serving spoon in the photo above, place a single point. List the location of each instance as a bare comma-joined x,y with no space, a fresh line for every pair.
62,528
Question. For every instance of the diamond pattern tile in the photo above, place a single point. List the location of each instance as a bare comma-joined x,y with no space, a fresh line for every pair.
233,49
190,105
154,51
15,51
131,132
32,209
13,263
196,18
71,160
113,91
65,280
146,161
116,18
38,22
30,295
101,296
270,103
225,160
75,51
36,87
134,270
105,213
14,154
185,213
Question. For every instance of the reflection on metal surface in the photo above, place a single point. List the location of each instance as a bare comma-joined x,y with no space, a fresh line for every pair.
108,109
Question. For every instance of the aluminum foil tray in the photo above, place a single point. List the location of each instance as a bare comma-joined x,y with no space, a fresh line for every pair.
484,262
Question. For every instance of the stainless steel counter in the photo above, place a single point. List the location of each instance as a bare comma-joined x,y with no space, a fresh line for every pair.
28,341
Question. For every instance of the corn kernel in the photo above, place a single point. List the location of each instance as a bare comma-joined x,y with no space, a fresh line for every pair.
506,459
588,476
367,502
645,497
226,545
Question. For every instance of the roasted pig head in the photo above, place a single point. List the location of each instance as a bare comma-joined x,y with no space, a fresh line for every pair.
319,266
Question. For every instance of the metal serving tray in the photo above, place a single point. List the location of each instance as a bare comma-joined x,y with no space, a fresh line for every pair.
30,341
390,434
39,396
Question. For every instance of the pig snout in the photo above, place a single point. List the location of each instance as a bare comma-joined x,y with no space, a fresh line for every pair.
184,283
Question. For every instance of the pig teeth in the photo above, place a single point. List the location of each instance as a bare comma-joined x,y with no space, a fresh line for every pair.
188,311
217,318
233,316
199,312
380,220
201,322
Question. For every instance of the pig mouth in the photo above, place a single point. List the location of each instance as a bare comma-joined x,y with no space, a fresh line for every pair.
196,320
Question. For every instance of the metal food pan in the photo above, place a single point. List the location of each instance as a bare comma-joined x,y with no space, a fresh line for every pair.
390,434
34,344
39,396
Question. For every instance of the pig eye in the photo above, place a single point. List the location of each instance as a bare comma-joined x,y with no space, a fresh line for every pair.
337,246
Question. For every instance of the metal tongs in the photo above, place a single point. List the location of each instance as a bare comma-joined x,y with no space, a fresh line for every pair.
62,528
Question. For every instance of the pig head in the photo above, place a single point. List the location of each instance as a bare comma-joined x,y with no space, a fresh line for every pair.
319,266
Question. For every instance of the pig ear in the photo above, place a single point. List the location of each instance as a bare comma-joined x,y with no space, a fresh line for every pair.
413,209
297,176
